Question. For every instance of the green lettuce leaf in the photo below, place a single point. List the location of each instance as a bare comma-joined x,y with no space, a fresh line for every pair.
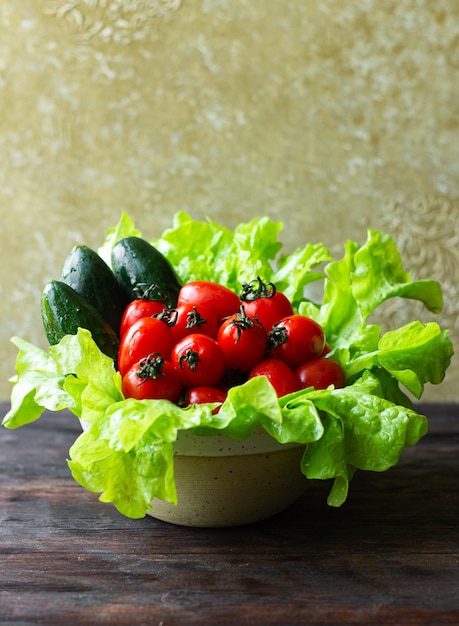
362,430
357,284
208,251
378,275
74,374
295,271
129,480
413,354
38,385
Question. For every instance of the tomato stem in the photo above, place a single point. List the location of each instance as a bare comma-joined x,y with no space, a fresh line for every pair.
276,336
257,288
169,316
145,291
194,319
242,322
151,366
191,357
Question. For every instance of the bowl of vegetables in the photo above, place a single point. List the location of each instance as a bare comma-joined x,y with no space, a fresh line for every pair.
209,387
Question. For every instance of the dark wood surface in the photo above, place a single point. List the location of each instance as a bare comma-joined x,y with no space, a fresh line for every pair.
390,555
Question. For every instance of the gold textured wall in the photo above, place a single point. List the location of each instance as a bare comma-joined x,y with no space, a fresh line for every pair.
331,115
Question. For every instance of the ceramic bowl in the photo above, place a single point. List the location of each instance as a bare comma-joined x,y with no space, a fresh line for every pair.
223,482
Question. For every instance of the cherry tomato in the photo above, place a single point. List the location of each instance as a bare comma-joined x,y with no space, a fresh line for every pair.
190,318
137,309
296,339
145,336
243,341
218,298
279,374
320,373
262,300
199,360
202,395
152,378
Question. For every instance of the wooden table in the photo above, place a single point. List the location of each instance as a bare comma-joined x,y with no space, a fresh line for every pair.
390,555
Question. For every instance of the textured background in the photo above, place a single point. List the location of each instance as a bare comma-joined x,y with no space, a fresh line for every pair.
331,115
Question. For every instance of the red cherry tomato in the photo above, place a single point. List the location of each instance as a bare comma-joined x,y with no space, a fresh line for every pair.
320,373
202,395
243,341
296,339
145,336
152,378
199,360
190,318
279,374
262,300
137,309
218,298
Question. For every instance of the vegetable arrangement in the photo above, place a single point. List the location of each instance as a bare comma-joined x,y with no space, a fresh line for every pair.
209,330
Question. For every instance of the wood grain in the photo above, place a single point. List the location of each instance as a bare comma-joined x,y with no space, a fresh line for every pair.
390,555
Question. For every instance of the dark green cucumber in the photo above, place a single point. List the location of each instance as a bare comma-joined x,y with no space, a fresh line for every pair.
88,274
63,311
135,262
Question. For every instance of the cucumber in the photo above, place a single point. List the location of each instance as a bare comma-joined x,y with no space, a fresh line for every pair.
63,311
88,274
135,262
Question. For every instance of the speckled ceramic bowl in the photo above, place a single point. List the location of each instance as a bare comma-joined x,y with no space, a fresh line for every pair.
222,482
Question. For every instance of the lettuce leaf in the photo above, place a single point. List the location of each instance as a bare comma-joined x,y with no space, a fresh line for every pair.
413,354
378,275
74,374
125,452
357,284
208,251
295,271
38,385
362,430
